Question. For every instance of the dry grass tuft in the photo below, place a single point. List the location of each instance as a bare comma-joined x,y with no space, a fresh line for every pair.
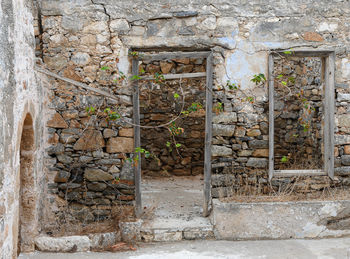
292,189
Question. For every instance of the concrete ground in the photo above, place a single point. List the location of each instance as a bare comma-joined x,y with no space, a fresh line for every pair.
177,203
279,249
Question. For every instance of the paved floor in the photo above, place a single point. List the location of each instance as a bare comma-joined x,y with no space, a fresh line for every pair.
279,249
173,202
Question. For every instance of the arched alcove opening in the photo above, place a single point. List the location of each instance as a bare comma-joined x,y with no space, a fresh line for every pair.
26,224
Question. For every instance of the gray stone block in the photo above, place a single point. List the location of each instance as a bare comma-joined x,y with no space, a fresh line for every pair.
220,151
63,244
223,130
257,162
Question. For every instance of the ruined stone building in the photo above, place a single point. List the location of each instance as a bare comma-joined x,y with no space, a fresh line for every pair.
105,104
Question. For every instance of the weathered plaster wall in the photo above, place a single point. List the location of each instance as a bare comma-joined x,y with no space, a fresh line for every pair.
21,92
280,220
80,37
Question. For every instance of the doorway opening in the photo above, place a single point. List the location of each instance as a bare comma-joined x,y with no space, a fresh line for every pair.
26,219
174,89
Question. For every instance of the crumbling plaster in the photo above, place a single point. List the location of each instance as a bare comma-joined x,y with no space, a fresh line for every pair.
21,92
240,34
89,34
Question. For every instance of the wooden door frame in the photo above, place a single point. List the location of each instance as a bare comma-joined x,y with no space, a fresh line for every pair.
208,117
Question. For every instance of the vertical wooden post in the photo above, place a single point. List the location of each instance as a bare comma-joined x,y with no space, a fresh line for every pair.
326,115
137,138
271,117
329,115
331,112
208,136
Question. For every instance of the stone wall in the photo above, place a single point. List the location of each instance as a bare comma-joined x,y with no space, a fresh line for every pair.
158,106
81,37
21,92
88,168
299,113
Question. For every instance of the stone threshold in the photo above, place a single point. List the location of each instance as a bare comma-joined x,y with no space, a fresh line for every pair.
160,232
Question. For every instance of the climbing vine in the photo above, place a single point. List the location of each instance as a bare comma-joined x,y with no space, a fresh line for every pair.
283,82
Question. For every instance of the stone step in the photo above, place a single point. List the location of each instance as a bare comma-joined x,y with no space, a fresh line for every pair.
180,224
174,229
167,230
171,235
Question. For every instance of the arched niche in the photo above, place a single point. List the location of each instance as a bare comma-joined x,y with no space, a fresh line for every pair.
27,195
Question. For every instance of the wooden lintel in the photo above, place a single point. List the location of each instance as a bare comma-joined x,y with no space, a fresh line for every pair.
172,55
176,76
303,53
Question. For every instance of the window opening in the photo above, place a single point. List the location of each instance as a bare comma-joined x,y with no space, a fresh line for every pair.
301,92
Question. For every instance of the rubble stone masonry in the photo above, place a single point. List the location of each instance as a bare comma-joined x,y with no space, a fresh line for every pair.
87,153
81,170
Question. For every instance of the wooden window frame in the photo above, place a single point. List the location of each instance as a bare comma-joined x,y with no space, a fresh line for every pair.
208,116
328,61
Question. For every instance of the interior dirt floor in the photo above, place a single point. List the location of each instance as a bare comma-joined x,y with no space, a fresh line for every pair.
173,202
338,248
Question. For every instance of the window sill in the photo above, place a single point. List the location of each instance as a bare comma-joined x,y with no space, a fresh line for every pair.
291,173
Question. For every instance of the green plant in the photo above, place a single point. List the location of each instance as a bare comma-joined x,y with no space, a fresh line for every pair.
232,86
120,78
90,110
143,151
195,107
174,130
285,80
104,68
158,77
218,108
284,159
135,77
111,115
250,99
258,79
168,145
134,54
139,150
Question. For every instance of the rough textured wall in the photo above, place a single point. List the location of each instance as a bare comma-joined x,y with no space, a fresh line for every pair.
21,92
87,170
158,106
299,113
83,36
